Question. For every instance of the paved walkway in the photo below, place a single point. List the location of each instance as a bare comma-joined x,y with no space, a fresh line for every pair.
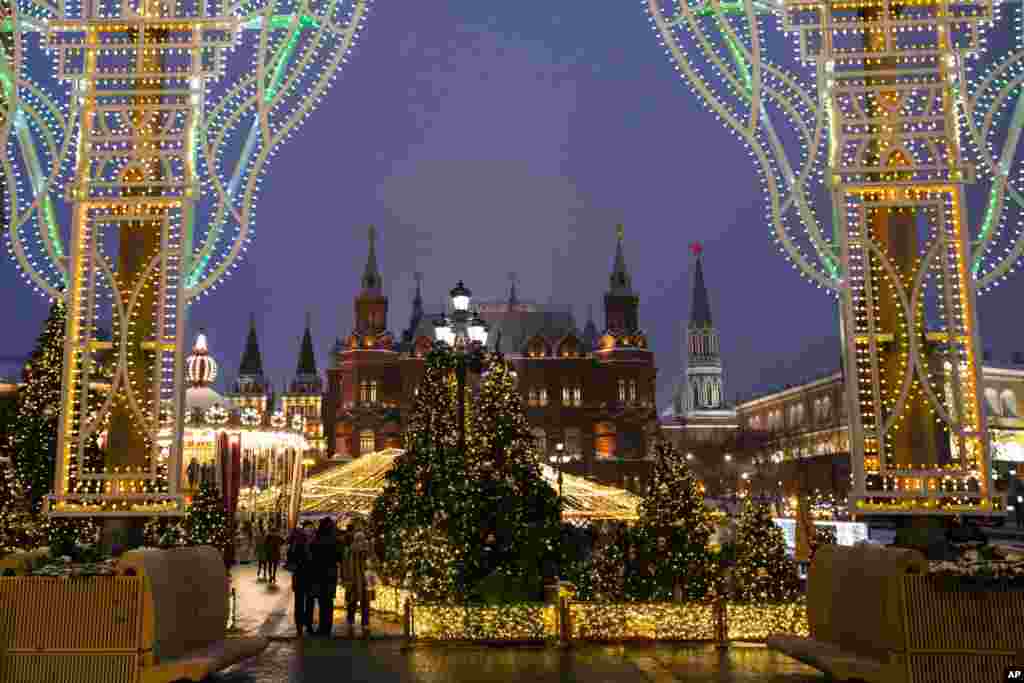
386,658
387,661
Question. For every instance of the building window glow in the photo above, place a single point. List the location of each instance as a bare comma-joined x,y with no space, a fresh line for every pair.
572,441
540,440
632,391
366,441
542,396
532,397
373,391
566,396
577,396
622,391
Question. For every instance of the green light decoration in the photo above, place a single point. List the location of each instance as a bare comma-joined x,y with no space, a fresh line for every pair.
91,149
863,135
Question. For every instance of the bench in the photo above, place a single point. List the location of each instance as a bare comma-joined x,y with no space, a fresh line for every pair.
184,614
856,610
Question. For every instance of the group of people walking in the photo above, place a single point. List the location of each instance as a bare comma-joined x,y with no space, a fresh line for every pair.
268,552
319,560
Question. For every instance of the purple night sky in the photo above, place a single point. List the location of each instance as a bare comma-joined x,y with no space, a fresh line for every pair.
489,137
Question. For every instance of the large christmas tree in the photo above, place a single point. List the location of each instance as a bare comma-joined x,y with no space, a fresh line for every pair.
423,488
675,527
763,572
206,521
512,524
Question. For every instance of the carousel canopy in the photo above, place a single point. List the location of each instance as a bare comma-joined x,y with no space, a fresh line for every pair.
351,489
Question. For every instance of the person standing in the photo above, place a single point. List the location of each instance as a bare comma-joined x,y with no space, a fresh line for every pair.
354,574
261,552
325,554
273,544
300,564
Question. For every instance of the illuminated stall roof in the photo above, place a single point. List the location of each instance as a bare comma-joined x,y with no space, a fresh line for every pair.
351,489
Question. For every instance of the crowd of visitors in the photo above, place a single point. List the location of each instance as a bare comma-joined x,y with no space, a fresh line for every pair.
321,558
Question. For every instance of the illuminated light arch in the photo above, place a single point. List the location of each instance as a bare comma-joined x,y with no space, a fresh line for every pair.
144,140
909,327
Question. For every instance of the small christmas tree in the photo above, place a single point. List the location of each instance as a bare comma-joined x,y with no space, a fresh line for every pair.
763,572
164,532
608,578
33,430
206,521
675,528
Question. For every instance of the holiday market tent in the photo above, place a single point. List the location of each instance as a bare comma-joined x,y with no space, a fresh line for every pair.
350,489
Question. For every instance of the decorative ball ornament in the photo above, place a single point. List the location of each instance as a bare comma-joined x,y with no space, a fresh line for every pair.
250,417
278,420
200,366
216,415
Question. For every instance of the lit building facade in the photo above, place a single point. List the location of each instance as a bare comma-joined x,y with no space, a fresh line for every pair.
593,392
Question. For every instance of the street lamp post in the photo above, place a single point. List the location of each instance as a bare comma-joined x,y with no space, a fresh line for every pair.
559,458
466,333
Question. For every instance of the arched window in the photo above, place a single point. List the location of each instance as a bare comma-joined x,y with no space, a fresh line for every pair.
542,396
992,399
566,396
373,391
364,392
366,442
632,391
622,391
577,396
1009,402
572,441
531,397
540,442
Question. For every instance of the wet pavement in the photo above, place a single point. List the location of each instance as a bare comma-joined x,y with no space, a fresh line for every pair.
387,658
388,661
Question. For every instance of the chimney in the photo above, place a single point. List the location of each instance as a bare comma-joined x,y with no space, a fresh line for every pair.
987,356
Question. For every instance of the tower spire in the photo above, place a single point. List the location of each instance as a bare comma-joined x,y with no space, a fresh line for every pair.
513,299
590,329
417,301
621,282
700,311
252,362
307,358
371,275
704,386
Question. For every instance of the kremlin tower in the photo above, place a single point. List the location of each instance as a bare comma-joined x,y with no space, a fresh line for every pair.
304,398
251,389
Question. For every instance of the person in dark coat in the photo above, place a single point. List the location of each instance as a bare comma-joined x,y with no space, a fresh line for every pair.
300,558
273,543
325,553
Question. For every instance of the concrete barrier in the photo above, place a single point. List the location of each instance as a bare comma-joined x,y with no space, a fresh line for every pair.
185,604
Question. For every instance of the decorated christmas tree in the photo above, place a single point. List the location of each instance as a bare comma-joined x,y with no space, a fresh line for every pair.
423,488
164,532
608,563
206,522
512,520
762,572
33,430
674,530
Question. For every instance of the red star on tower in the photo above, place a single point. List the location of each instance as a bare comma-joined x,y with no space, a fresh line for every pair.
696,248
